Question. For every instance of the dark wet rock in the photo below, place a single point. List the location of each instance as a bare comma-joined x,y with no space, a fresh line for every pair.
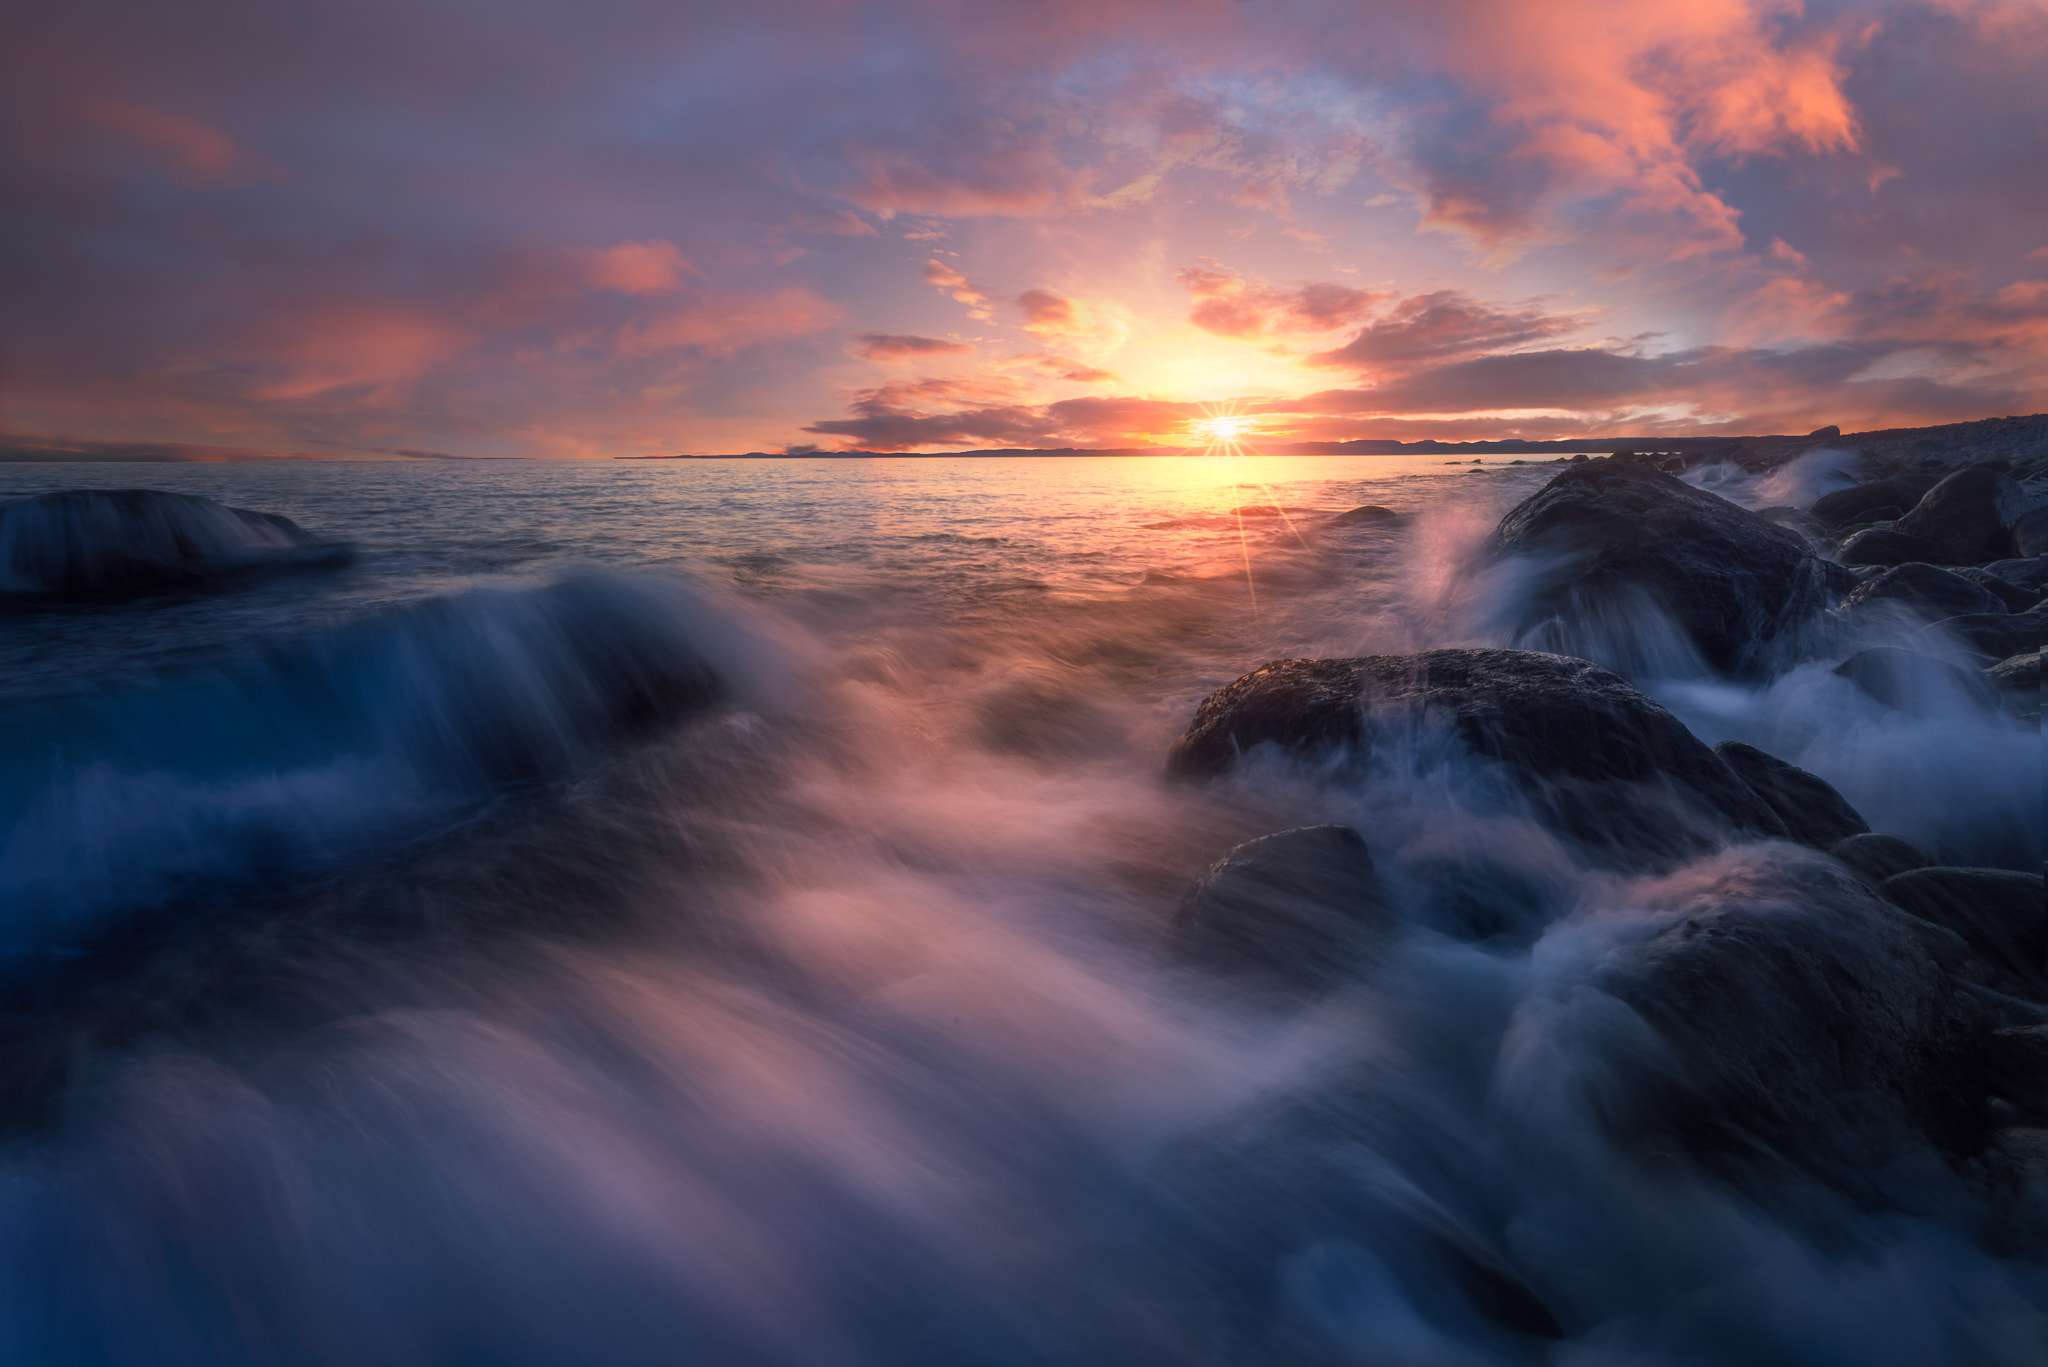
2030,533
1370,514
1879,546
2015,597
1592,754
1300,910
2018,674
1581,458
1922,590
115,540
1993,635
1828,433
2001,913
1840,579
1813,812
1883,517
1876,856
1915,683
2028,574
1845,506
1733,582
2017,1059
1803,1019
1970,515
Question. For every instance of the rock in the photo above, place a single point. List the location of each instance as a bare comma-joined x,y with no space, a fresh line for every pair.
2018,674
2018,1155
2001,913
2030,532
1733,582
1258,510
1993,635
1828,433
2015,598
93,540
1581,458
1802,1020
1300,910
1876,856
1592,754
1813,812
2017,1059
1844,506
1970,515
1371,513
1840,579
2028,574
1921,590
1917,684
1879,546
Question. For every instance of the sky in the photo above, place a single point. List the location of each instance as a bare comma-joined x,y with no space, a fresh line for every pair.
451,228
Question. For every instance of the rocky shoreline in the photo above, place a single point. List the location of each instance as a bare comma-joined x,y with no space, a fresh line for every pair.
1835,1005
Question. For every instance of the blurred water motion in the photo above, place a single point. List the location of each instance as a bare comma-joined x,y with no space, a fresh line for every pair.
722,913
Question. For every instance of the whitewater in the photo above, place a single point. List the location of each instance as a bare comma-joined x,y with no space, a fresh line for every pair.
723,912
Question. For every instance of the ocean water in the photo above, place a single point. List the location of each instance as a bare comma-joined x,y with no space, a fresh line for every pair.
715,912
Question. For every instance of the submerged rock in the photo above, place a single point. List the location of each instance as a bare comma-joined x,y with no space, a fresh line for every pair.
1300,910
1970,515
1876,856
1845,506
1803,1020
1917,684
2001,913
94,540
1879,546
1593,754
1369,513
1732,581
1922,590
1813,812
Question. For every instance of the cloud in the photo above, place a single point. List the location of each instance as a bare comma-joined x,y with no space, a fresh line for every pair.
1444,324
958,286
1058,367
1229,305
652,267
894,346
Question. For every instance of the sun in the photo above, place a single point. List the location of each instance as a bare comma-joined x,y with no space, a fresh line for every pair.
1220,431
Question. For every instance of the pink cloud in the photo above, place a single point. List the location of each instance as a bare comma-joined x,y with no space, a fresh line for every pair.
652,267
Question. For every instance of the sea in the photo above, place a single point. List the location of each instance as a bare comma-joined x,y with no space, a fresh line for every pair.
717,912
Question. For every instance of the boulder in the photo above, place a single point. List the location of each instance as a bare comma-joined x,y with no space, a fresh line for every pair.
1616,530
1370,514
1879,546
1876,856
1993,635
2015,597
2017,1060
1917,684
2019,674
1921,590
2001,913
2028,574
1970,515
2030,533
1591,754
1300,911
1813,812
121,540
1845,506
1803,1021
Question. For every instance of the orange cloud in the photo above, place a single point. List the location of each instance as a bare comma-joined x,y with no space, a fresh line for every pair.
953,283
651,267
894,346
728,323
1230,305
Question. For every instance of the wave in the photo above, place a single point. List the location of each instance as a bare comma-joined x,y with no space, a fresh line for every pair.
96,540
307,752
